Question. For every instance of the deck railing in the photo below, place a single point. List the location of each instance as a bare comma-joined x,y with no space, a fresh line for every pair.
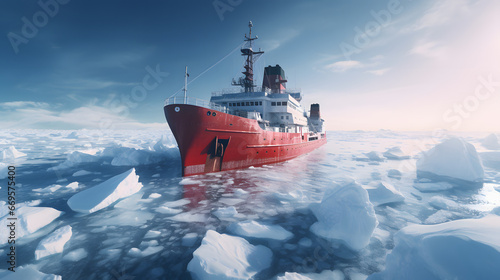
256,89
197,102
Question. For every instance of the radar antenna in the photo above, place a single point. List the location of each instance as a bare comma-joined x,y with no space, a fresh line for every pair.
251,56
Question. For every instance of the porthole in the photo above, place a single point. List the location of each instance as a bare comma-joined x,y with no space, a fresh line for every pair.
209,113
177,109
213,114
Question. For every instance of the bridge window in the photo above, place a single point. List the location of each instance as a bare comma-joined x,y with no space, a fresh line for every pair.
251,103
281,117
283,103
273,103
238,104
260,103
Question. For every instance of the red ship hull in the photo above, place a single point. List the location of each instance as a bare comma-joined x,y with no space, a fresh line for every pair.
211,141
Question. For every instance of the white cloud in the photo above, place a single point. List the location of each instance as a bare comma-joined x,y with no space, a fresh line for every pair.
342,66
377,58
429,49
89,84
283,37
23,104
440,13
379,72
90,116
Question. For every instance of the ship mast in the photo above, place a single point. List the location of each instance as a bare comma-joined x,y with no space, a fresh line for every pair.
251,56
186,75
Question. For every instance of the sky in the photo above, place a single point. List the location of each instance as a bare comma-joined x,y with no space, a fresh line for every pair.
400,65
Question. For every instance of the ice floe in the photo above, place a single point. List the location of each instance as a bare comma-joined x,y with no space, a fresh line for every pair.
189,239
394,173
222,256
29,220
81,173
461,249
138,253
395,153
491,142
53,243
225,212
324,275
154,195
371,156
27,272
433,187
453,158
254,229
152,234
107,192
189,217
3,170
75,255
440,202
345,214
383,193
74,159
10,153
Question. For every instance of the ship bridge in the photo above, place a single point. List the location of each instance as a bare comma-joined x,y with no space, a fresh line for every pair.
276,111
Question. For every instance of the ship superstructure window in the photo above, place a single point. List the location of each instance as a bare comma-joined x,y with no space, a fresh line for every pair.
248,103
251,103
238,104
281,117
283,103
260,103
273,103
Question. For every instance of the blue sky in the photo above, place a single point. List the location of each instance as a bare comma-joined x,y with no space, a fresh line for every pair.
401,65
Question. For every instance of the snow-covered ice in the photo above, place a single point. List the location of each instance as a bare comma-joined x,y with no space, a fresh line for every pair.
10,153
345,214
324,275
104,194
81,173
433,186
254,229
153,233
395,153
225,212
53,243
440,202
189,239
383,193
462,249
75,255
29,220
29,272
394,173
370,156
454,158
491,142
222,256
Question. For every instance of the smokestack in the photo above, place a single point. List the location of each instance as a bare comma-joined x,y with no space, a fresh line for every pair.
315,111
274,78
